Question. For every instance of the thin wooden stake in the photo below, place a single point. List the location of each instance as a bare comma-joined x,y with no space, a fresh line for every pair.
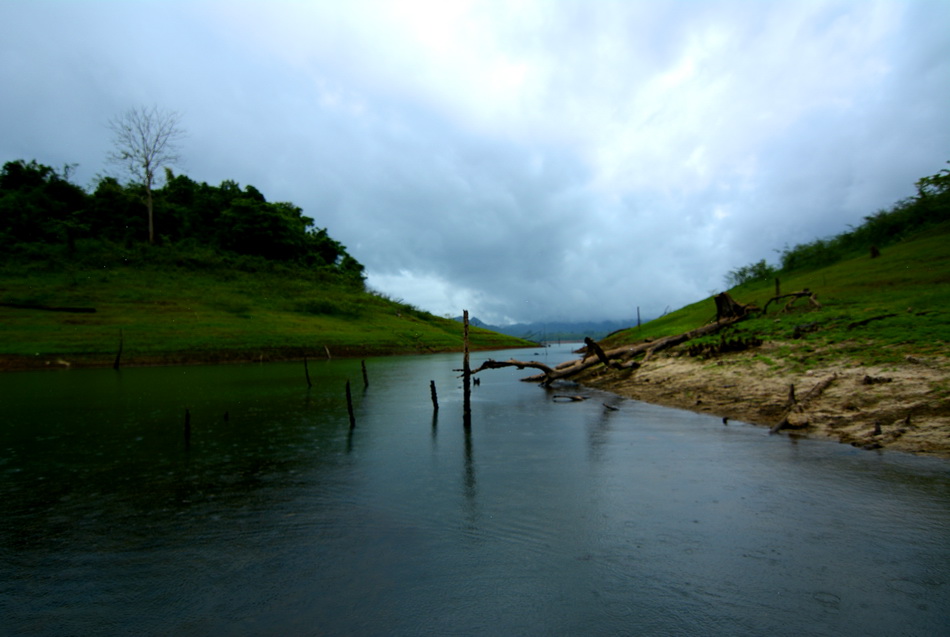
435,396
118,356
306,371
466,376
365,377
349,405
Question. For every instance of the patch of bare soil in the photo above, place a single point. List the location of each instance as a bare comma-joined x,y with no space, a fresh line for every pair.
904,407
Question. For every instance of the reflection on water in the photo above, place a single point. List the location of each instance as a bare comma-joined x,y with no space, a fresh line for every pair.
542,518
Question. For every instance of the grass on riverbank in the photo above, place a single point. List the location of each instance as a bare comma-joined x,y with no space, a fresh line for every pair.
874,311
169,312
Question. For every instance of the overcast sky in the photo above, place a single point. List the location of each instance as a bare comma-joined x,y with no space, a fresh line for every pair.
525,160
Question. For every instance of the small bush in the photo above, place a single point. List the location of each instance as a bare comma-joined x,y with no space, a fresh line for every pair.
328,307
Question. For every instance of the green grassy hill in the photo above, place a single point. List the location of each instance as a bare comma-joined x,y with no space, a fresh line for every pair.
873,310
171,307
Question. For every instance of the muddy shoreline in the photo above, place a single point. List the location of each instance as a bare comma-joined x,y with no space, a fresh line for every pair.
903,407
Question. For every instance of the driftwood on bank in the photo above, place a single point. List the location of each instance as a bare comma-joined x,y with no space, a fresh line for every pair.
728,312
864,322
794,296
728,308
593,347
795,405
617,358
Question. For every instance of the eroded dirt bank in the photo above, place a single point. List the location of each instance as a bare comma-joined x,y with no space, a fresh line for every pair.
905,406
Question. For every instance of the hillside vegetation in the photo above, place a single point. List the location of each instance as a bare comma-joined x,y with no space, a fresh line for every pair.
171,308
872,310
230,277
883,288
867,366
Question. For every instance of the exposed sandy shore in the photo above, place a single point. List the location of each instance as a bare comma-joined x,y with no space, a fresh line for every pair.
904,407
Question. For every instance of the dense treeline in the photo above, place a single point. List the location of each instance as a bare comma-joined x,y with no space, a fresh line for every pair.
40,206
930,207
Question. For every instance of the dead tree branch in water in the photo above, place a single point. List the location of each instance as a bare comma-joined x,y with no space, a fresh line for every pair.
619,358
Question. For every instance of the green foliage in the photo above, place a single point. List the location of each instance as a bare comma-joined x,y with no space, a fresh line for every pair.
930,208
38,205
874,311
175,304
760,271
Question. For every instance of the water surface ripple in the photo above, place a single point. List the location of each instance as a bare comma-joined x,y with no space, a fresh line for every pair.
545,518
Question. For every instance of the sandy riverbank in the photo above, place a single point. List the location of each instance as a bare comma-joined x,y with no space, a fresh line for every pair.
904,407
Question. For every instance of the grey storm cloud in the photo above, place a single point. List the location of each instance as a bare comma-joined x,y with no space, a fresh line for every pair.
523,160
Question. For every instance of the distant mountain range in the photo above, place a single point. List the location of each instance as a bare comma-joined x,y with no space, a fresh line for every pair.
557,330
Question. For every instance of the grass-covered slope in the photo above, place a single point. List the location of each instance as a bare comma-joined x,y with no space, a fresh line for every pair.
870,367
906,291
173,308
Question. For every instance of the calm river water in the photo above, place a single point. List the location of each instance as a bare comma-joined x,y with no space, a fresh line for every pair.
545,518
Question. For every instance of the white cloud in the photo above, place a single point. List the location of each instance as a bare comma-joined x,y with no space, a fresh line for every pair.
525,159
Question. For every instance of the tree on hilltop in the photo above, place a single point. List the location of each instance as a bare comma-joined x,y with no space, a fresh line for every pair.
145,140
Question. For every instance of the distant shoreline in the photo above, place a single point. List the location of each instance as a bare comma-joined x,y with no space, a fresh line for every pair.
49,362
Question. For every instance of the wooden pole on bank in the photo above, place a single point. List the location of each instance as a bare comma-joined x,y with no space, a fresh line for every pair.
349,405
118,356
466,376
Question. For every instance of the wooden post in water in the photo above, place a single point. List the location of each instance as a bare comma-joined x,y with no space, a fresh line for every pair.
466,376
118,356
365,377
435,396
306,371
349,405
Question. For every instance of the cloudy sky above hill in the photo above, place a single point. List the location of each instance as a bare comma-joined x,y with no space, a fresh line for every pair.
522,159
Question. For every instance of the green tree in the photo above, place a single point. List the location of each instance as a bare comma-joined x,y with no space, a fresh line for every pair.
115,211
38,204
271,230
753,272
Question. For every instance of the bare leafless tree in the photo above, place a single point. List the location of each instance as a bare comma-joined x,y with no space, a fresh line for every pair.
144,140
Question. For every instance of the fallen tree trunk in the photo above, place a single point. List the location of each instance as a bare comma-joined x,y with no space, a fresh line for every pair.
493,364
592,346
794,296
618,358
795,405
729,308
673,341
864,322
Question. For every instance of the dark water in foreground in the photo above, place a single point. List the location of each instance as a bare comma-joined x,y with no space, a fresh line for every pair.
547,519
